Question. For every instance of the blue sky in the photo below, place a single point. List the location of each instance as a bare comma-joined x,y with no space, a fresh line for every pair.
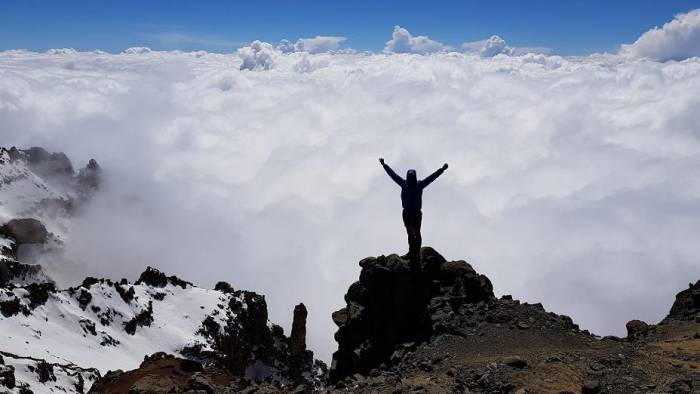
568,27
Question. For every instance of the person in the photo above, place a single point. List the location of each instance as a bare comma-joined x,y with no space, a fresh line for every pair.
412,201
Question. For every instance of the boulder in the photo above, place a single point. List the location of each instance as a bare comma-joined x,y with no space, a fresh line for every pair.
636,327
24,231
152,384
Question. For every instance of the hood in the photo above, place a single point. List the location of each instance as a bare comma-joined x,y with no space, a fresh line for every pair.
411,178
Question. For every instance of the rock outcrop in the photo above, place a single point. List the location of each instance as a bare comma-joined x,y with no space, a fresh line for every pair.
687,303
389,306
24,231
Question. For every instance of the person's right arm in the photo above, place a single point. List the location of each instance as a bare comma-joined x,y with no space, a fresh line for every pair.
399,181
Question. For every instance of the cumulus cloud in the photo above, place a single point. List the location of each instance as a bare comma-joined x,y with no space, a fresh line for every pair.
258,56
137,51
677,40
403,42
572,181
491,47
496,45
318,44
61,51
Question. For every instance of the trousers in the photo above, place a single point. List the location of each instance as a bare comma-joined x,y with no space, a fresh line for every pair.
412,219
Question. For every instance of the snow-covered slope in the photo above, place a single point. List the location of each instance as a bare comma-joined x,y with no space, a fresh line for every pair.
108,325
103,325
74,325
62,340
21,190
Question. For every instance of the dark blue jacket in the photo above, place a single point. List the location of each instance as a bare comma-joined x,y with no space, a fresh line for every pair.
411,188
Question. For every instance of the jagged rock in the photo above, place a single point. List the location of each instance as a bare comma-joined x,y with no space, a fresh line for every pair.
687,304
7,376
84,298
143,318
390,305
45,372
340,316
39,293
13,271
48,164
636,327
88,178
126,295
300,359
155,278
224,287
10,307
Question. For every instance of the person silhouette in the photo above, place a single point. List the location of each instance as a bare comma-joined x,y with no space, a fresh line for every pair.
412,201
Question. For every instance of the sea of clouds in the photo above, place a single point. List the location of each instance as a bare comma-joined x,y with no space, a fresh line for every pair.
572,181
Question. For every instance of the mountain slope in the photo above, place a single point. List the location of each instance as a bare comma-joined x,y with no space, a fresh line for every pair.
477,343
63,340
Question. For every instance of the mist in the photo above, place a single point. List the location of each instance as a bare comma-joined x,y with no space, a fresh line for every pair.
572,181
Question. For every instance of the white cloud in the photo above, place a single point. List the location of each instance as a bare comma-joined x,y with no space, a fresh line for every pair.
286,46
258,56
491,47
318,44
137,51
61,51
572,181
677,40
403,42
496,45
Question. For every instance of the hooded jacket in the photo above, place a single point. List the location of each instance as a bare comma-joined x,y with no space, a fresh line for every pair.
411,187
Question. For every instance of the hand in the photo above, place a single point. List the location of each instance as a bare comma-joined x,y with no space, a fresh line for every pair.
444,166
381,161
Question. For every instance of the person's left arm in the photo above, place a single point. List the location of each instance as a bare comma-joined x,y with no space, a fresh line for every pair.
427,181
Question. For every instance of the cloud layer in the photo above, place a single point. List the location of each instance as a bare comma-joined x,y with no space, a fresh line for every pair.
677,40
572,181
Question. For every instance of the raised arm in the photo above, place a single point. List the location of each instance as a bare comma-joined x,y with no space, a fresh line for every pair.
400,181
427,181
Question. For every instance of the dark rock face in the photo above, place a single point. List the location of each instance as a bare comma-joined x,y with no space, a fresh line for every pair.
14,270
48,164
299,358
155,278
39,293
687,304
389,306
88,179
25,231
7,376
245,339
224,287
45,372
144,318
